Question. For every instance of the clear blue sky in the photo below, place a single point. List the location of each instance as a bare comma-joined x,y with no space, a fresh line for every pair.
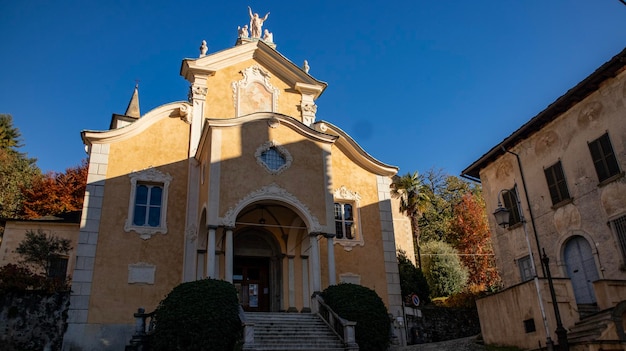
418,84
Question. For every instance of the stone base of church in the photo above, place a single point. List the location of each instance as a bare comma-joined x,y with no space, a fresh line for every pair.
84,337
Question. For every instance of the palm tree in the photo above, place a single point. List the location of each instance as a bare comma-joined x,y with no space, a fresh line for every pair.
413,201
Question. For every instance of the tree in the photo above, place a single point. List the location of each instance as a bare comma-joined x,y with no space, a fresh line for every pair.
444,192
443,269
470,235
9,135
412,280
16,169
413,198
55,193
38,249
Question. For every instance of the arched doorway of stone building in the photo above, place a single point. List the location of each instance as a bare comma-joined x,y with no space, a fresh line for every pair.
257,269
581,269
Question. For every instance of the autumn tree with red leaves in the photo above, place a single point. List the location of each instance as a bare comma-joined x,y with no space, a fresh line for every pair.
55,193
470,235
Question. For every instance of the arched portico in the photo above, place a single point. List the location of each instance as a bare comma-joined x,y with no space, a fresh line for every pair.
267,237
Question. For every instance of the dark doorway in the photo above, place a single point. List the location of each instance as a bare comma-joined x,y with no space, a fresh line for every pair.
251,278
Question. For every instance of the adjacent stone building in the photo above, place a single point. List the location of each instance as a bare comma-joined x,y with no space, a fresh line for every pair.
63,226
242,183
561,176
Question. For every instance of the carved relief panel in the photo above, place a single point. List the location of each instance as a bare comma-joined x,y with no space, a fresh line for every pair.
254,93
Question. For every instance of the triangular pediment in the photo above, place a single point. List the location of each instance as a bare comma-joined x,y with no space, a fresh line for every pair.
261,52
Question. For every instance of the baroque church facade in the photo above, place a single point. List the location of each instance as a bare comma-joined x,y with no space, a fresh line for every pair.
240,183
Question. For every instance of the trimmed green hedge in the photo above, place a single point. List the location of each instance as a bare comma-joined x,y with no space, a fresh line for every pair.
197,316
361,305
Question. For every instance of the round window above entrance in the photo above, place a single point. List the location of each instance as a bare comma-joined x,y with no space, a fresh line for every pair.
273,157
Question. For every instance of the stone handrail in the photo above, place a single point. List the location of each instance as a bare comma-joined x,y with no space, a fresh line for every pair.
248,330
142,330
343,328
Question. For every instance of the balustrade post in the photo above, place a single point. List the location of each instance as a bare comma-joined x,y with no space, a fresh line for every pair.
349,336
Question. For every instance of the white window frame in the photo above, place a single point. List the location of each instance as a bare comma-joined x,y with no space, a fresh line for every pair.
154,176
345,196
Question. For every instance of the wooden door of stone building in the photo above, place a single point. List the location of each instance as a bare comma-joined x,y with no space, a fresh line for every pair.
581,269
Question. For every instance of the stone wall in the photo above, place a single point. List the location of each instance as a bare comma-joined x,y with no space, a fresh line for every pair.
442,323
33,321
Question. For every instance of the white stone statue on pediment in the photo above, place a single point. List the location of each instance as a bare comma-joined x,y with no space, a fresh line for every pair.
203,49
243,32
268,37
256,23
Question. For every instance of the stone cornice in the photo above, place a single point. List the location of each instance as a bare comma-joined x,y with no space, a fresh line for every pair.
178,109
271,118
262,53
355,152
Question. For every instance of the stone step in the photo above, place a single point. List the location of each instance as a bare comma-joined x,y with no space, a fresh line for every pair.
292,332
591,327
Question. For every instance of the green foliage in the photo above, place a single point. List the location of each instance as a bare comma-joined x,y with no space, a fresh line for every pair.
413,197
197,316
16,170
412,280
14,278
38,248
361,305
443,269
444,192
9,135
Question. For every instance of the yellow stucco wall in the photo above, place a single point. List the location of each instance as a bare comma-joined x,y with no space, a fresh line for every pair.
304,178
220,102
368,260
163,146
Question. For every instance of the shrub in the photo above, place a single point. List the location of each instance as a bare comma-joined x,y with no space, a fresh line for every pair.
197,316
412,280
444,271
15,278
361,305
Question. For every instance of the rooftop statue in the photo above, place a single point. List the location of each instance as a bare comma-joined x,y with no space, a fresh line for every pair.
243,32
256,23
268,37
203,48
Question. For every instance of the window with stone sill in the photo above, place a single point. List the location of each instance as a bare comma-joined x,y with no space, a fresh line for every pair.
346,213
509,198
147,207
604,159
556,183
618,226
57,267
525,268
344,221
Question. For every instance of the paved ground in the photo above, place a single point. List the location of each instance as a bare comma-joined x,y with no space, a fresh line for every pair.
464,344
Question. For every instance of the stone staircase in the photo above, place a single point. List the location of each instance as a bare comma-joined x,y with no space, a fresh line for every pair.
590,328
275,331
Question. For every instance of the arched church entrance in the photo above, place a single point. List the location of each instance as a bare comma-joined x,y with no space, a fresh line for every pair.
257,270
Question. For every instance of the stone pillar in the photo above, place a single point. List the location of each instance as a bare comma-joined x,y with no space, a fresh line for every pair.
332,280
315,269
228,258
210,256
306,295
292,284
